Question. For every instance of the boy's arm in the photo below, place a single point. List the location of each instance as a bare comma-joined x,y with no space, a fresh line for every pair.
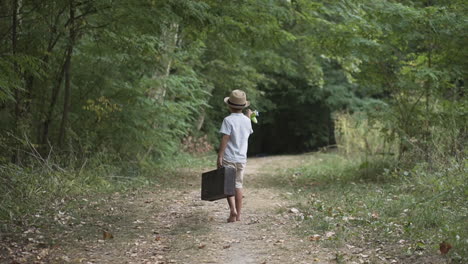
248,113
222,147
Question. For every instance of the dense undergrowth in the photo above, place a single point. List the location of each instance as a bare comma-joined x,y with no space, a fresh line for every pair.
411,208
407,211
362,192
38,187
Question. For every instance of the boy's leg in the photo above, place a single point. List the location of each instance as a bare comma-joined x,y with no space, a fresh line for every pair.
231,200
238,203
235,202
232,209
240,168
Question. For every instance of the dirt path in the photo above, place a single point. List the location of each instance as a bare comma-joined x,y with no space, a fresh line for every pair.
175,226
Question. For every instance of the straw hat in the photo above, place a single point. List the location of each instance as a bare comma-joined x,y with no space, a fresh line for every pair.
237,100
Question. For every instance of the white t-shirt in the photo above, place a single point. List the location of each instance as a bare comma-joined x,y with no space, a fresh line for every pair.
239,127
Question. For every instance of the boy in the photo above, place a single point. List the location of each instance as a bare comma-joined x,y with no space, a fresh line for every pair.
236,129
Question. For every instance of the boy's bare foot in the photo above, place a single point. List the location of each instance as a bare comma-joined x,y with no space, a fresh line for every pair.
232,217
238,218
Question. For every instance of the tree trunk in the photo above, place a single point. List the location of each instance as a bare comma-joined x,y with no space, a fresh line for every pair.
427,131
14,39
50,111
43,128
67,95
170,37
14,44
201,119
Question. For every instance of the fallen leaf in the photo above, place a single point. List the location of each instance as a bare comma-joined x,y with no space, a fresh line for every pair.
226,246
66,258
294,210
43,253
158,238
444,247
329,234
279,242
201,246
106,235
315,237
375,215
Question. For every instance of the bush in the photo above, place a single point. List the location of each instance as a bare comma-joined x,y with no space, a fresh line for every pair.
360,194
25,189
355,134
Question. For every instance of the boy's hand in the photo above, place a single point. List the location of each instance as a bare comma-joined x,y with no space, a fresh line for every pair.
222,147
248,113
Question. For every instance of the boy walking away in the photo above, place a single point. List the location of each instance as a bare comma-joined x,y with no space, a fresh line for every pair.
236,129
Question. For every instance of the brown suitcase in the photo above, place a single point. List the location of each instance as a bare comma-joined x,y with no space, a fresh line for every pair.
218,184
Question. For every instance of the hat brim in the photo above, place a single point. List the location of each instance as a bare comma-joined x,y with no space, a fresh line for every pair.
236,106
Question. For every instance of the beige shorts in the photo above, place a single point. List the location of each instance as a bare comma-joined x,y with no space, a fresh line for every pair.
240,167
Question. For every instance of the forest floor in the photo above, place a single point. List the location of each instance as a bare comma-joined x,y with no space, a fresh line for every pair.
170,224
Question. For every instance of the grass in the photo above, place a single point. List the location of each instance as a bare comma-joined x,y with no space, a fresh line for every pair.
44,206
41,187
409,212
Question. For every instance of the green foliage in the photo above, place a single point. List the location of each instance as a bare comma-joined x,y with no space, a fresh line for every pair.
356,135
173,63
129,80
29,189
416,209
410,62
